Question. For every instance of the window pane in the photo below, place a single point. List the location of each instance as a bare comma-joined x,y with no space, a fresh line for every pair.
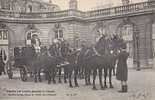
0,34
5,34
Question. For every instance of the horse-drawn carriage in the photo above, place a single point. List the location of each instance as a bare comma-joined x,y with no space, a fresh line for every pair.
30,63
22,60
99,57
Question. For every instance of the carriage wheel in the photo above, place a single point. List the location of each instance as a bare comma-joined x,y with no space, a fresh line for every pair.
23,74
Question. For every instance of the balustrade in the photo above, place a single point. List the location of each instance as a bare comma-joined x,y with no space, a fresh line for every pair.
132,8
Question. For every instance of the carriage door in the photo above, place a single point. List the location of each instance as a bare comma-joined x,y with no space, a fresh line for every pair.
30,33
127,35
4,43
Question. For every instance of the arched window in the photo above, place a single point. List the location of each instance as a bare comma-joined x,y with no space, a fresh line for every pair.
29,8
3,34
126,31
30,33
4,42
58,31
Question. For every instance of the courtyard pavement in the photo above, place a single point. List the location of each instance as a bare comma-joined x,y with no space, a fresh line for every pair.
141,87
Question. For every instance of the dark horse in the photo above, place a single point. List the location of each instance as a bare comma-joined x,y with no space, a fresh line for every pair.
31,62
98,58
71,68
48,63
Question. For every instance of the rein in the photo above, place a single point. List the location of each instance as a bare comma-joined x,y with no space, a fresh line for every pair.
96,53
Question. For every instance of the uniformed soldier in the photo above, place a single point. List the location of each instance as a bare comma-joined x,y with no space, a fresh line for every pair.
64,50
122,70
35,42
80,60
2,59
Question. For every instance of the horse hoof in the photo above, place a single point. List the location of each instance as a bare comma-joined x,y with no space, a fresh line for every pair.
54,82
65,81
105,86
49,82
111,86
102,88
60,82
71,86
94,88
35,80
77,85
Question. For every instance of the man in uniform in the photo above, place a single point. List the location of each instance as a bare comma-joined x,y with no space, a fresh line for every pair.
35,42
2,59
122,69
80,60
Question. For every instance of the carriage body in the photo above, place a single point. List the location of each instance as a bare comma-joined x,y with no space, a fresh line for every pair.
22,61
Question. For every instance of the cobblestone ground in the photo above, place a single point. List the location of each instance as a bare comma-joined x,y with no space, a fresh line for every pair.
141,87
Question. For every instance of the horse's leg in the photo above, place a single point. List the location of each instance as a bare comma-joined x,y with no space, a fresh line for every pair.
48,76
35,77
94,78
100,78
89,73
113,69
86,76
0,73
39,76
60,75
54,74
31,74
70,79
3,68
0,69
82,73
75,77
110,76
105,77
65,75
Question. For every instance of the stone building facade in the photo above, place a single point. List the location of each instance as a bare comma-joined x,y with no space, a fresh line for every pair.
28,6
135,22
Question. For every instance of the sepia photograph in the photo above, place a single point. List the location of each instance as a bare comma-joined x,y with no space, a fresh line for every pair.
77,49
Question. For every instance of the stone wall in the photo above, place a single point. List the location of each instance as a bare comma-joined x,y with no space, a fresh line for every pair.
87,31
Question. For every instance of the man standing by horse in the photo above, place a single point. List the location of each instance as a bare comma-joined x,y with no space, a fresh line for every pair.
122,70
80,60
2,59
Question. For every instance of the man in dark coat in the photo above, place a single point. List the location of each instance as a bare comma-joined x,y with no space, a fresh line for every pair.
65,50
2,59
80,60
122,70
